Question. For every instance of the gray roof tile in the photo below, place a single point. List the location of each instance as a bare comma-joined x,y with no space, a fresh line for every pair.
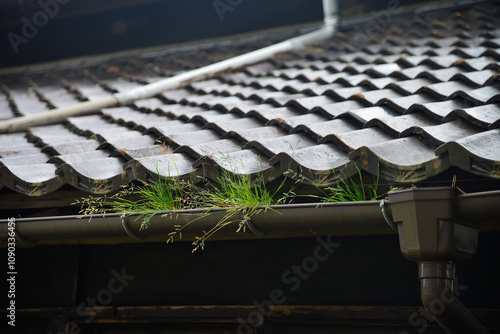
442,133
438,110
395,126
409,105
99,176
167,165
218,147
335,109
351,140
273,146
402,160
32,179
37,158
404,104
487,116
244,162
246,135
309,103
325,129
479,154
190,138
320,165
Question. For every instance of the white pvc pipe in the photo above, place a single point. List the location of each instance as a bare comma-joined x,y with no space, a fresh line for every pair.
56,115
330,8
253,57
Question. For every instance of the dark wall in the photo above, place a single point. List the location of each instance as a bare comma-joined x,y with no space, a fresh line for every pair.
367,270
67,34
34,31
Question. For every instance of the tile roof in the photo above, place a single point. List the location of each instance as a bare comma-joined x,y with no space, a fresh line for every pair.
414,102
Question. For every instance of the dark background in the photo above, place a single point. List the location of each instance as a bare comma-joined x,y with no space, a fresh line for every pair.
86,27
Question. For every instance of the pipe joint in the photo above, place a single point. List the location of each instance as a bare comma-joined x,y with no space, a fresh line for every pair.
436,270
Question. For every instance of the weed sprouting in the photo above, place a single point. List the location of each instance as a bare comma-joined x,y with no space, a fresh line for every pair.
144,201
240,196
243,197
348,190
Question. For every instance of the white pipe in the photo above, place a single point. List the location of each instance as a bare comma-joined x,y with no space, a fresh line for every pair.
330,8
56,115
253,57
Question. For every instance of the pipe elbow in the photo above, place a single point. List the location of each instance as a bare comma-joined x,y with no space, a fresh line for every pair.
437,283
437,296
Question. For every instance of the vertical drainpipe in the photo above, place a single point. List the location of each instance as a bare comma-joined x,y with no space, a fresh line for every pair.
431,233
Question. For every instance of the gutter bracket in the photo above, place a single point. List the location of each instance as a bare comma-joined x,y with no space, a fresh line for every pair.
247,219
432,234
19,237
387,218
25,241
129,231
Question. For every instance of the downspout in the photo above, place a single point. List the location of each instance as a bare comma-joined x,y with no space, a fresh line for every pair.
432,232
330,9
437,287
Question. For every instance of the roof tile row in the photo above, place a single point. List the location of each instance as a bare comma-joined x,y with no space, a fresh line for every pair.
407,108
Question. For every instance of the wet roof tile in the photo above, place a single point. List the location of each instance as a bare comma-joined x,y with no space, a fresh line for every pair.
318,165
246,135
409,105
351,140
438,110
37,158
325,129
487,116
190,138
99,176
397,125
442,133
479,154
273,146
244,162
403,160
161,166
32,179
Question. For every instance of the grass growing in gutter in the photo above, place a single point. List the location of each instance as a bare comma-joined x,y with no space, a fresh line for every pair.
349,191
240,196
161,195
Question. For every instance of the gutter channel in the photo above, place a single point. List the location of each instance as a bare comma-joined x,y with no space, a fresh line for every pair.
304,219
301,218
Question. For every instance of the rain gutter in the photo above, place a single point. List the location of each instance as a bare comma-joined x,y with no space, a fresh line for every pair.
330,9
298,219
